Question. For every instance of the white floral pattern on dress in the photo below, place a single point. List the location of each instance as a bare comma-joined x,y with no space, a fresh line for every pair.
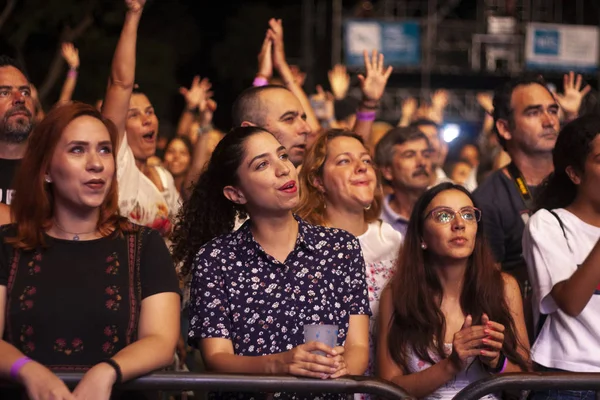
241,293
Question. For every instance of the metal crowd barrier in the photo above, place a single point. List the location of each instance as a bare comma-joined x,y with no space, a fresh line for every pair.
531,381
182,381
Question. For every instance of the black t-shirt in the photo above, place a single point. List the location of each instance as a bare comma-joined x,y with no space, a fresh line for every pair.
76,303
7,174
504,217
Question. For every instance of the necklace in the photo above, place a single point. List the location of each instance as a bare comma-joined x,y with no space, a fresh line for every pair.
75,234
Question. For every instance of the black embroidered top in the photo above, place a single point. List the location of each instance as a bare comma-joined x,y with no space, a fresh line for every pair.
75,303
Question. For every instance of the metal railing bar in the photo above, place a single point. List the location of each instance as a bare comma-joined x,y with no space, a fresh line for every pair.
530,381
179,381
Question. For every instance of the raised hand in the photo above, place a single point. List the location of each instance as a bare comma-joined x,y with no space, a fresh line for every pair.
339,81
373,84
409,107
197,95
570,100
299,76
490,353
486,102
265,58
466,343
70,55
275,33
135,5
439,100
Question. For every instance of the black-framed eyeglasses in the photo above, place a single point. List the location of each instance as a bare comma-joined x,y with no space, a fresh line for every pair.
445,215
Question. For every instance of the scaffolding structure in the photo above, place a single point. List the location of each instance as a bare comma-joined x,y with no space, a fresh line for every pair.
448,43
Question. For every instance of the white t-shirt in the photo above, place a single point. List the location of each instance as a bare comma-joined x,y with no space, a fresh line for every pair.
139,199
380,246
564,342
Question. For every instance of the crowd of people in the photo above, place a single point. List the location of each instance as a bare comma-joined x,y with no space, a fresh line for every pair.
119,257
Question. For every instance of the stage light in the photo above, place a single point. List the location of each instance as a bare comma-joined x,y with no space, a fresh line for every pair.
450,132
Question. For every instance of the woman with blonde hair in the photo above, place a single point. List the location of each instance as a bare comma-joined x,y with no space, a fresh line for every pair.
339,188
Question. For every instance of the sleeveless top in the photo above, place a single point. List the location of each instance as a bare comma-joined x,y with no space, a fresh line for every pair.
472,373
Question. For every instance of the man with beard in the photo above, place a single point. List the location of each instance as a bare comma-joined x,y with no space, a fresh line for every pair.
16,122
403,156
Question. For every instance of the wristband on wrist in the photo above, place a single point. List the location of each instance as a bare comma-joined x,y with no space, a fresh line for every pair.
72,73
260,81
501,366
116,367
17,365
366,116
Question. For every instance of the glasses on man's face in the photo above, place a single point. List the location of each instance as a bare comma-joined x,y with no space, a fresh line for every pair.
445,215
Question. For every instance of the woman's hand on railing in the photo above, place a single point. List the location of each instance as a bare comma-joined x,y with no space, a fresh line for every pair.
97,383
42,384
301,361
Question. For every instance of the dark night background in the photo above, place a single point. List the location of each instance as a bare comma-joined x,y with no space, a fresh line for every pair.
180,38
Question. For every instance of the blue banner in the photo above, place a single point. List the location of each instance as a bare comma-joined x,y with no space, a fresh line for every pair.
400,42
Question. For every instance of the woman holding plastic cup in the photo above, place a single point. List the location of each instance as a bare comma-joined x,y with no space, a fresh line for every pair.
449,316
254,290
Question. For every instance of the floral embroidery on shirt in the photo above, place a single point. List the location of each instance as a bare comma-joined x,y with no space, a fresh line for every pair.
26,339
33,266
114,298
110,332
26,298
113,264
60,346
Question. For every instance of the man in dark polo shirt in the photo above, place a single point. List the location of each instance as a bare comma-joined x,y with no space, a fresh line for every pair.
16,122
527,124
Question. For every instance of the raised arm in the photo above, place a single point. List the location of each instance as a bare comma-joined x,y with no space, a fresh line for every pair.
572,96
71,57
372,85
122,73
193,96
275,33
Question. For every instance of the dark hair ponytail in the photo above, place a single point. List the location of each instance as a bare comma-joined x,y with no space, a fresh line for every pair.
207,214
572,147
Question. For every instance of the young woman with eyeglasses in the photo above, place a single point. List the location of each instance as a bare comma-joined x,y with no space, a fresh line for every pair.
449,316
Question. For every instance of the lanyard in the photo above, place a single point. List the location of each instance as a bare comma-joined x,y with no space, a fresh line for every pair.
521,186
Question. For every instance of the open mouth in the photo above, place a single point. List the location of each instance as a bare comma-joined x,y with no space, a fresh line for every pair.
149,136
289,187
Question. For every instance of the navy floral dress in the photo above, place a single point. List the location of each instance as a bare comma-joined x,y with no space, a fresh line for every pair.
241,293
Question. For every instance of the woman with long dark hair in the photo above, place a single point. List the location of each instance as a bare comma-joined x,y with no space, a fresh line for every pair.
254,290
81,288
562,250
449,316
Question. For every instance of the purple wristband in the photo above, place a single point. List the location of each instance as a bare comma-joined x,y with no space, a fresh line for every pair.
17,365
260,81
366,116
504,366
72,73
